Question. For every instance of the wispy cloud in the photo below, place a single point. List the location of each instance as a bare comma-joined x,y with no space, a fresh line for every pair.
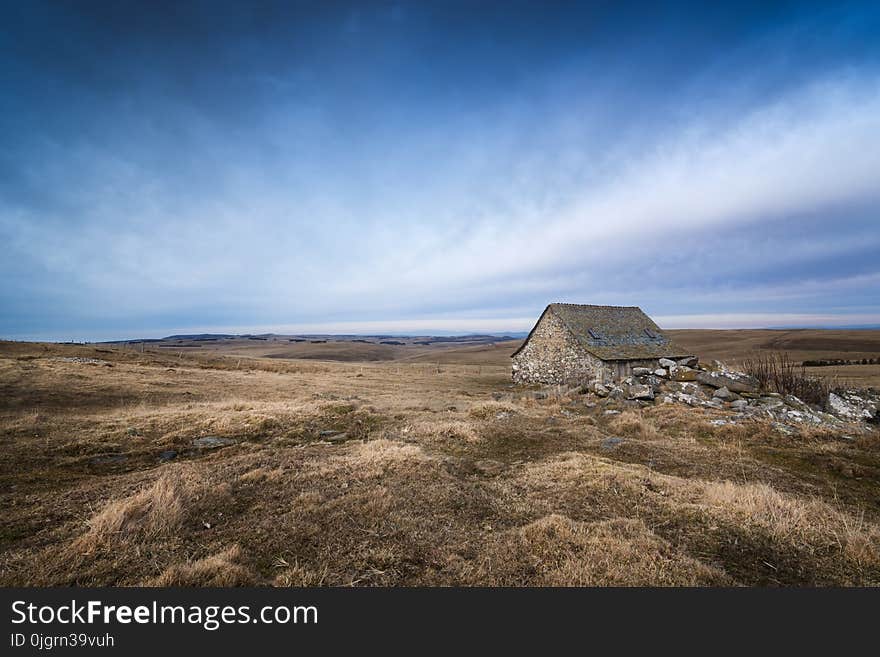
386,203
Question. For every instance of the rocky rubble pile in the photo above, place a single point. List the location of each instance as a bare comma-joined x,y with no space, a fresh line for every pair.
715,386
82,360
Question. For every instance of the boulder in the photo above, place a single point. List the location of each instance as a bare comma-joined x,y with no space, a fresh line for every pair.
665,362
600,389
639,391
733,382
739,404
848,407
690,361
616,392
654,381
725,395
684,374
690,400
641,371
660,372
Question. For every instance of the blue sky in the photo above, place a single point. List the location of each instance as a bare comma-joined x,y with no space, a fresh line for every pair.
435,167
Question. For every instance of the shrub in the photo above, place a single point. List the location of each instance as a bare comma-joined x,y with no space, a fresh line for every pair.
776,372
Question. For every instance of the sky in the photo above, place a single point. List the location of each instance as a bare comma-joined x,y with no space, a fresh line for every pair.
443,167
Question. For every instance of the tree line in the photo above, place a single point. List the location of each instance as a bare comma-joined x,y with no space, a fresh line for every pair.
840,361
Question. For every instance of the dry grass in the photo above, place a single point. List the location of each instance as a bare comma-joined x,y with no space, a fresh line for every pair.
151,513
630,423
358,474
558,551
809,523
221,569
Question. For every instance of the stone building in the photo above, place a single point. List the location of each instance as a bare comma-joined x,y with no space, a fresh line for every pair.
573,343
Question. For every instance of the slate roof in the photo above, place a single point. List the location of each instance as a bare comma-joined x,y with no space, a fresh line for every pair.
613,332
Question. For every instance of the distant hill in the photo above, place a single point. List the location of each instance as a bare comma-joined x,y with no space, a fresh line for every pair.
201,336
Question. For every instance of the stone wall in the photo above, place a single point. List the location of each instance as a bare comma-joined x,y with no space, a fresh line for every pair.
552,355
620,369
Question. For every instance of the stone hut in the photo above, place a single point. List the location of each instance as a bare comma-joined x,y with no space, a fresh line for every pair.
573,343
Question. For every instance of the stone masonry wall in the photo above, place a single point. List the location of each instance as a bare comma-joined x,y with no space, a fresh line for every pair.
553,356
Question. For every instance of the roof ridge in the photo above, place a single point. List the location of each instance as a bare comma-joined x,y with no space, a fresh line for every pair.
588,305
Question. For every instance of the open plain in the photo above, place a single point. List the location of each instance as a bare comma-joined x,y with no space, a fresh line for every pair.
318,461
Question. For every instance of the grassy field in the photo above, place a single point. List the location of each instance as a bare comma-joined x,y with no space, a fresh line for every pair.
799,344
360,464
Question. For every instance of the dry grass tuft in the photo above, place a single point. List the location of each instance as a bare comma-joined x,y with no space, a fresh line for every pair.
491,410
558,551
149,514
634,425
446,430
805,523
222,569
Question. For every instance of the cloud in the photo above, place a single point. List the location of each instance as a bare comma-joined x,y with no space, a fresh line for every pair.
377,202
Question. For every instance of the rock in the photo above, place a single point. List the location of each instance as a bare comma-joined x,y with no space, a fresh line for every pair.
719,423
212,442
784,429
639,391
654,381
616,393
168,455
690,361
660,372
600,389
84,361
682,374
611,442
690,400
849,407
612,412
739,404
725,395
665,362
641,371
733,382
